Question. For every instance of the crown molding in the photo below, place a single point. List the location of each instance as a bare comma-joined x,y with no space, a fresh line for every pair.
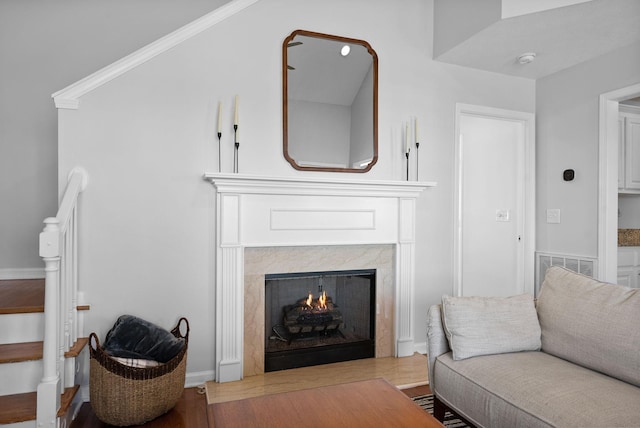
69,97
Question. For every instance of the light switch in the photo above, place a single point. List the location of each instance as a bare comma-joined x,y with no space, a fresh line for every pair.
502,215
553,215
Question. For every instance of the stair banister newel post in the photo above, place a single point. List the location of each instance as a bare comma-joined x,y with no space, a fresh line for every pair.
59,251
49,389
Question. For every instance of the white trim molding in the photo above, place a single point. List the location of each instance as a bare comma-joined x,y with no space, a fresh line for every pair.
69,97
320,212
24,273
608,181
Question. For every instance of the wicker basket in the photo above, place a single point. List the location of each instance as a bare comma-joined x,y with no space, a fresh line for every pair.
122,395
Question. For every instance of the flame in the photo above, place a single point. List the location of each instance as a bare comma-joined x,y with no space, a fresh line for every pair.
322,300
310,300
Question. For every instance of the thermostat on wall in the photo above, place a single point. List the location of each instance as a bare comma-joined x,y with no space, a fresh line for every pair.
568,174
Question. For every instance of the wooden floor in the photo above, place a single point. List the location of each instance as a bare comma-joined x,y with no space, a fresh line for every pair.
402,372
191,409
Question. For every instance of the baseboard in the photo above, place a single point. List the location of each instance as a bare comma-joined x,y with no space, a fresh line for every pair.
199,378
24,273
420,348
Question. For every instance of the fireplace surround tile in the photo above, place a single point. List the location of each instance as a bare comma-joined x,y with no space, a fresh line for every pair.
262,261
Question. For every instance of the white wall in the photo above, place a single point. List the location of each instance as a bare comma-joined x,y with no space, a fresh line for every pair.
147,137
567,137
45,46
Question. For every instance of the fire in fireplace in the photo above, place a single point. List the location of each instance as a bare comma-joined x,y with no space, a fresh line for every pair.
303,330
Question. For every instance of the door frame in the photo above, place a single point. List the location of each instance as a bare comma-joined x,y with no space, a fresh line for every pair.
527,121
608,181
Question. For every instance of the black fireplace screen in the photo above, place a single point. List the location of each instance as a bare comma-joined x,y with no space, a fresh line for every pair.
316,318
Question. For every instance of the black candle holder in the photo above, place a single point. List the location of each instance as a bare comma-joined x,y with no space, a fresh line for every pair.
219,152
407,156
237,146
417,162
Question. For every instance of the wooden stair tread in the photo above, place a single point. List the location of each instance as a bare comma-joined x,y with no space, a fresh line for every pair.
22,407
19,296
28,351
77,347
67,399
17,352
22,296
18,408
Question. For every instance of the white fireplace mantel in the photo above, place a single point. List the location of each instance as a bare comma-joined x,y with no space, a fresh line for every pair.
254,211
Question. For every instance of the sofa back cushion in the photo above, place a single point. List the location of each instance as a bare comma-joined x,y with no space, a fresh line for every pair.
490,325
591,323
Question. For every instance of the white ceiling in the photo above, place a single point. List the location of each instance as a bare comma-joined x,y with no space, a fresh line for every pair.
561,38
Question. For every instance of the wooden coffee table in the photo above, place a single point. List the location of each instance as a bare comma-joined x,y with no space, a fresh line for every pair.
371,403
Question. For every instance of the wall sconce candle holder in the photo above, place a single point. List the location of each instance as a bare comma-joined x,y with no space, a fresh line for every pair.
407,156
236,147
417,162
219,152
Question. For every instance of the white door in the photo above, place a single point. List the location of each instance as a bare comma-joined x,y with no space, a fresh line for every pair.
494,210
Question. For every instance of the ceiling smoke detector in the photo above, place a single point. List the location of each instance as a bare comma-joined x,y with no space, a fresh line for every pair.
526,58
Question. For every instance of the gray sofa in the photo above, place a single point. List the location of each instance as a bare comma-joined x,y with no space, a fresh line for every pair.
570,359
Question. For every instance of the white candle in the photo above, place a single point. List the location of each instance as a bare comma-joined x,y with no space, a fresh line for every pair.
406,138
415,131
219,117
235,117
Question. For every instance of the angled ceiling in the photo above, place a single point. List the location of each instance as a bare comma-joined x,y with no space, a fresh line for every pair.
475,34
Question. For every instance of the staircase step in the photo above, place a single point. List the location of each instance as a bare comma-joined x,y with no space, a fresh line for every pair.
18,408
22,407
20,377
22,296
67,399
19,296
17,352
77,347
18,328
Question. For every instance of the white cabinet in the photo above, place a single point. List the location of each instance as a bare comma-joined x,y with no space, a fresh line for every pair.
629,266
629,150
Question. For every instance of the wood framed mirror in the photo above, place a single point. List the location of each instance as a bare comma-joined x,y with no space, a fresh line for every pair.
330,102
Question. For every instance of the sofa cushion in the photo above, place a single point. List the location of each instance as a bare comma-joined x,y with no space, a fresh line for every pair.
591,323
533,389
490,325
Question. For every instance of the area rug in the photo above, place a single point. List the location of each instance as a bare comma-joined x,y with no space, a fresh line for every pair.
450,420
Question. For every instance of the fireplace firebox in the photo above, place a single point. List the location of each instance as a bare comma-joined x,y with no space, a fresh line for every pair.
314,318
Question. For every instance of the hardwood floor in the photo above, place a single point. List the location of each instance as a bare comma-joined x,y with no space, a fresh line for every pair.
402,372
408,373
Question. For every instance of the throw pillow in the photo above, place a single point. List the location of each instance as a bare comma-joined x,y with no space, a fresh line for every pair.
490,325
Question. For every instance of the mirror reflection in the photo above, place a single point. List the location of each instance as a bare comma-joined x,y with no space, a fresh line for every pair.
330,100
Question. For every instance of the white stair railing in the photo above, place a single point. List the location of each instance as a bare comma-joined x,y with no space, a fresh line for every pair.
58,249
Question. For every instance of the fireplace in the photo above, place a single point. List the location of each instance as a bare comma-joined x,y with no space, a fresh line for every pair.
265,216
316,318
